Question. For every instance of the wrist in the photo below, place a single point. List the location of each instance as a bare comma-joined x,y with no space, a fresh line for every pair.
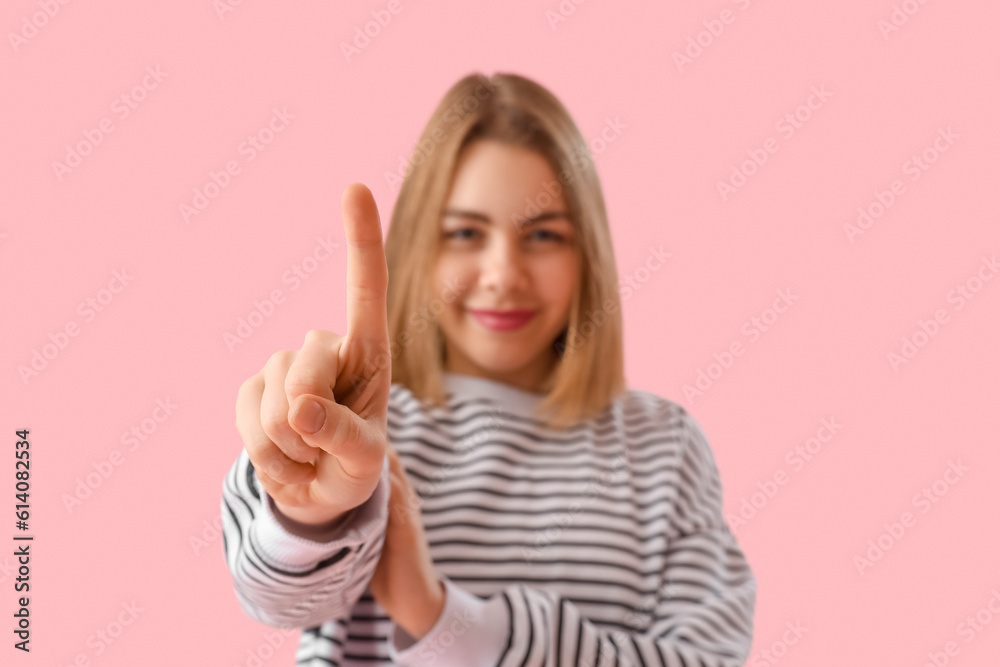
428,614
307,521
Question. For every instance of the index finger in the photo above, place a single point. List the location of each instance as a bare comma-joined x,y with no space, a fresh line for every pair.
367,273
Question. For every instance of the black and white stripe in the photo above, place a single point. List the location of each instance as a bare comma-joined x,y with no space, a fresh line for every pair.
605,544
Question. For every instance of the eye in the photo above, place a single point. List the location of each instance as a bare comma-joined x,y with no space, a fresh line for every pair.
550,235
460,235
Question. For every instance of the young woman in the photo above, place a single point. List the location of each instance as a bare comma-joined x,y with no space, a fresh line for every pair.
463,478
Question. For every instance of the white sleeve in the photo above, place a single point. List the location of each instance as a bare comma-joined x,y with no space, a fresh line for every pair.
481,625
285,580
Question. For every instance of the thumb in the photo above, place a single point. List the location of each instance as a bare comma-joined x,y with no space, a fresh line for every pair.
332,427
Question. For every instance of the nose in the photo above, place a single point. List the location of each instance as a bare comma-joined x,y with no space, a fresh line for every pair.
502,267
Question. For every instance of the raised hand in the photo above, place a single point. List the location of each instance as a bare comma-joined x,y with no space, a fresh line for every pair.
313,420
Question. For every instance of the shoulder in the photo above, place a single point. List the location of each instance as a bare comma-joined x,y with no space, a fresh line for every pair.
644,412
646,407
699,500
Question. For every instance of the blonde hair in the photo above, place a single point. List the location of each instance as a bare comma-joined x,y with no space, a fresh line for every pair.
516,111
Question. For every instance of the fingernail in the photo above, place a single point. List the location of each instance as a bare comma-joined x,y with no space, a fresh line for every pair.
310,416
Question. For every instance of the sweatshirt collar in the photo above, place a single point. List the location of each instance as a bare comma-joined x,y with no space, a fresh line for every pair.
510,398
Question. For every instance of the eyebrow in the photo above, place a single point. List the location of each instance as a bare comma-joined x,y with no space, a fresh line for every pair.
482,217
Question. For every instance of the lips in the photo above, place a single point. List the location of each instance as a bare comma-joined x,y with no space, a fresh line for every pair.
502,320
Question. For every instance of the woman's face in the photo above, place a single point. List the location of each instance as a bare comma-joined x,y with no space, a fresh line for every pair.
506,244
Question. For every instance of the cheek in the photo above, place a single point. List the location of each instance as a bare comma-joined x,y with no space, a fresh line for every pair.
452,280
556,282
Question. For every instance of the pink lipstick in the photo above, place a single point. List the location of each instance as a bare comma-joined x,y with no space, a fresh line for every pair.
503,320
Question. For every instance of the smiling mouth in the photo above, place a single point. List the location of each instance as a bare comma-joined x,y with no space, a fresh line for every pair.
502,320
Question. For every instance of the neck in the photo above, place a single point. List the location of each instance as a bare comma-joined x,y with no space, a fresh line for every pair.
535,377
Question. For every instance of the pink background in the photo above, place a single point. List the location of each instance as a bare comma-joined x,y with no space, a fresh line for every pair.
827,357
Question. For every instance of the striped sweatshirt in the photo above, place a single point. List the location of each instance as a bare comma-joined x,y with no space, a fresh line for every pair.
601,545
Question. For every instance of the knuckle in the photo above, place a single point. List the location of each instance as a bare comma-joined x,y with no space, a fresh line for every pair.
258,463
304,381
266,482
273,422
347,434
248,387
275,468
256,451
317,337
281,358
367,291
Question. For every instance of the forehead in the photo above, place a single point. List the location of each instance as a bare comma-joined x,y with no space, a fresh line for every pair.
502,179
